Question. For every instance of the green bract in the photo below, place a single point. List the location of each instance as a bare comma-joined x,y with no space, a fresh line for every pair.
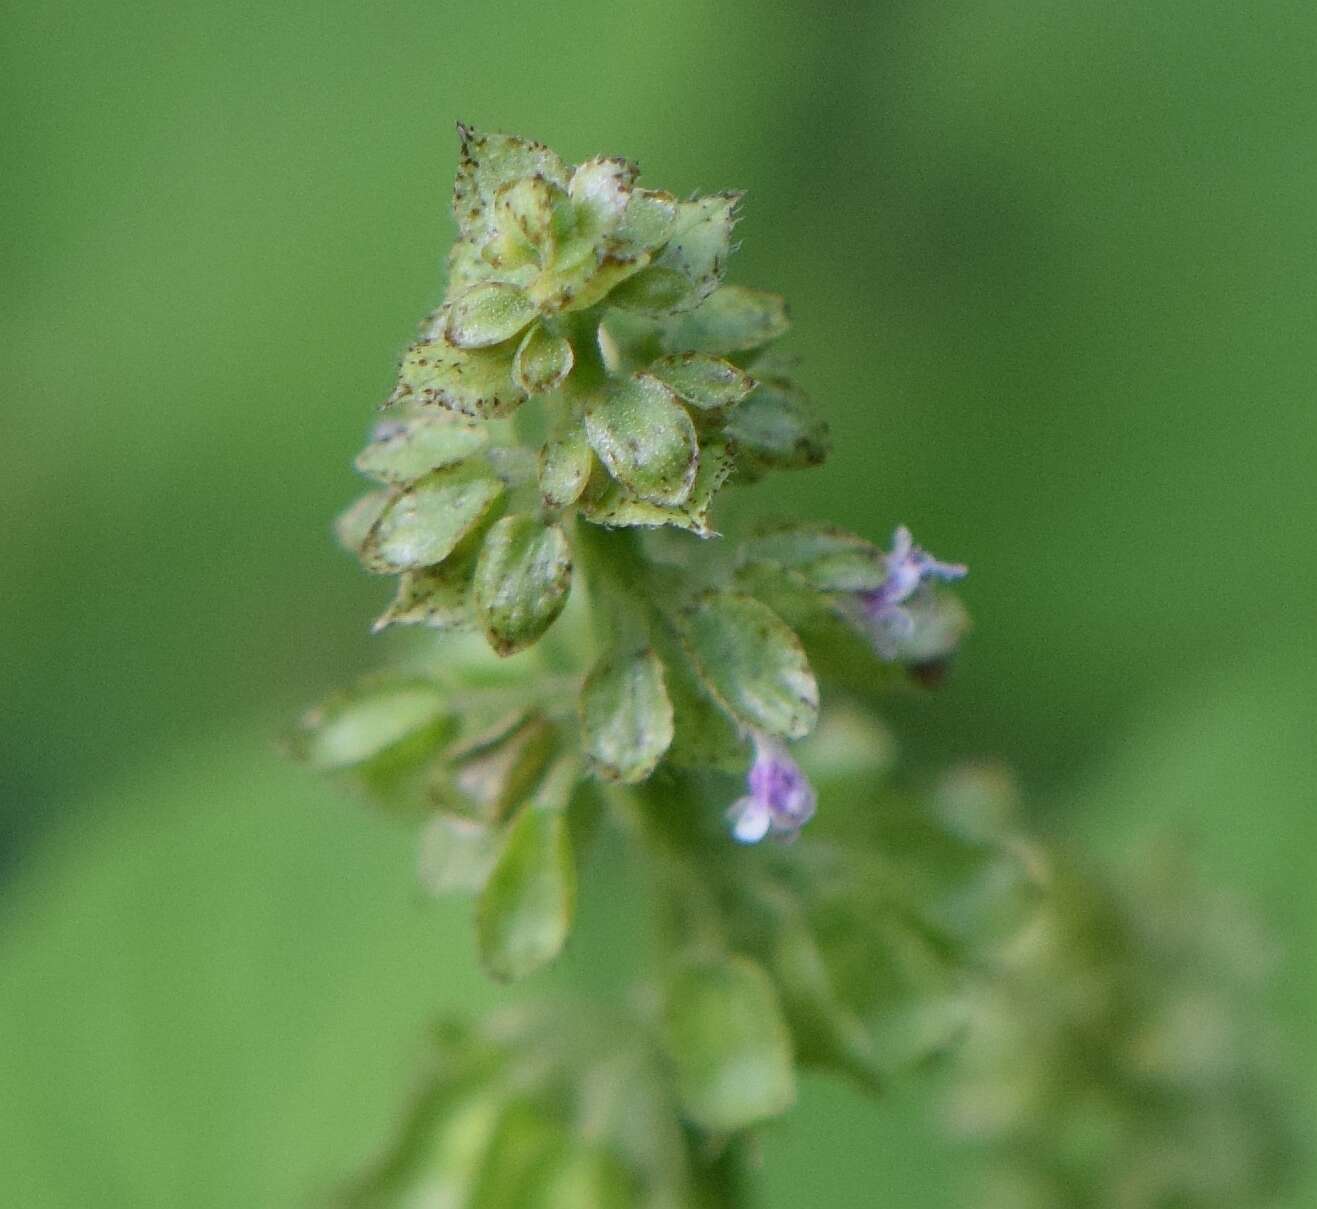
626,716
521,581
708,383
645,439
753,665
405,451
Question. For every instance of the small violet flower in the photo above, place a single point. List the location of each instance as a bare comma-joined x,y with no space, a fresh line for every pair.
908,569
781,799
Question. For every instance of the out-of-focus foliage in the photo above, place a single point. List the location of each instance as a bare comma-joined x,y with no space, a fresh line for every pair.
1116,1055
554,1106
240,944
1072,985
197,975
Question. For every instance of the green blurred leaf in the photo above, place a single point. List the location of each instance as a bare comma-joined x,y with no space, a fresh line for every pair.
626,717
706,382
753,664
457,854
548,1105
522,579
978,801
850,741
729,1044
441,1155
887,960
775,429
556,787
825,1030
220,920
587,1178
488,313
369,722
525,910
406,450
527,1147
734,319
495,769
645,439
385,734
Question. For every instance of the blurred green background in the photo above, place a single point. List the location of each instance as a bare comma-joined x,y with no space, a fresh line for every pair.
1054,274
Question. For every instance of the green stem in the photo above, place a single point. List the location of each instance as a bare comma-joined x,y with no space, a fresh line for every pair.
618,577
725,1179
691,918
589,372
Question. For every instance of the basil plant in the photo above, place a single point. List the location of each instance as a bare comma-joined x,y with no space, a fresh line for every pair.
604,668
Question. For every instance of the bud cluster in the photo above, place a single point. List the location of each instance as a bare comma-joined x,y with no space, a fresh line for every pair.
602,302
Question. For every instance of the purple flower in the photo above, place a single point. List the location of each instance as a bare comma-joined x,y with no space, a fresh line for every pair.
781,799
886,608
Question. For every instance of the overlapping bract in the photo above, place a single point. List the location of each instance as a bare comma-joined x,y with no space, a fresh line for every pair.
654,385
601,300
708,672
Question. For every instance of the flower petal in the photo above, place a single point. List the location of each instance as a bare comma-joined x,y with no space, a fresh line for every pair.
750,820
